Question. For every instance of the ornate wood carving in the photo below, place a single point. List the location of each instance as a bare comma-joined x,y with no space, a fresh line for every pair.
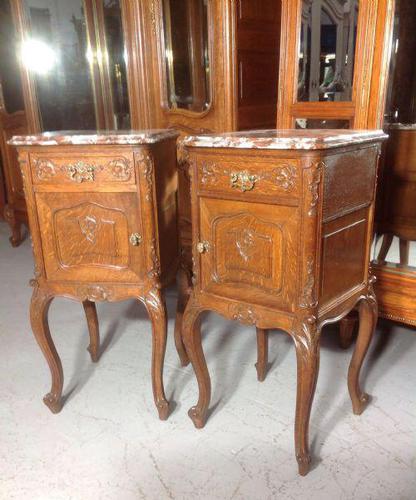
308,298
94,293
314,187
81,171
145,163
45,169
121,169
243,314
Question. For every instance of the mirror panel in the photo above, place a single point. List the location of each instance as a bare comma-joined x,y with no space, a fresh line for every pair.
10,82
116,60
56,52
327,50
187,54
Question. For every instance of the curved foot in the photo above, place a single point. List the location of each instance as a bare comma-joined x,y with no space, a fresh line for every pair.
304,464
184,285
39,307
368,319
163,409
198,418
54,403
93,329
262,353
359,405
192,337
156,309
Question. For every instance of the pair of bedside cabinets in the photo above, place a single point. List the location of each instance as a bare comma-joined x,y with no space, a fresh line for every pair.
281,237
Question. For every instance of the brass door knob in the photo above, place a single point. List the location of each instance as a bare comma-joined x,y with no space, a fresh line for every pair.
136,239
202,246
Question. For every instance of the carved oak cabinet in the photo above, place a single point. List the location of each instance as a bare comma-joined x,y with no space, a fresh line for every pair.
282,226
102,214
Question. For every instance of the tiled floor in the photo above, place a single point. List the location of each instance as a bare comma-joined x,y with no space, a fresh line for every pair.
107,442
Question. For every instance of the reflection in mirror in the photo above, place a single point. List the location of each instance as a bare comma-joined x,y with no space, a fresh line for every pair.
320,123
396,216
55,52
187,54
11,95
116,60
327,49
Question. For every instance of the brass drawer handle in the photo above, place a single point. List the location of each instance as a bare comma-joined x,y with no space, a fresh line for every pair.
202,247
81,172
136,239
244,181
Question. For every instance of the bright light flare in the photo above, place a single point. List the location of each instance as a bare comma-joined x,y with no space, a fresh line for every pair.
38,57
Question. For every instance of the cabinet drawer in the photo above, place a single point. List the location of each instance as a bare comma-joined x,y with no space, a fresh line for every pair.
93,237
83,168
251,176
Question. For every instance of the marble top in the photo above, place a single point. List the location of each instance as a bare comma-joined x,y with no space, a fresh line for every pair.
284,139
83,137
402,126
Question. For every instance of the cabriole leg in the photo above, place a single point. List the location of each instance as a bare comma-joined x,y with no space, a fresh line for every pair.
93,329
184,285
15,226
191,332
156,309
307,355
368,320
39,320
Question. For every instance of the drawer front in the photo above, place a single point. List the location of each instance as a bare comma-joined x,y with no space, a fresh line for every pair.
83,168
91,237
251,176
249,251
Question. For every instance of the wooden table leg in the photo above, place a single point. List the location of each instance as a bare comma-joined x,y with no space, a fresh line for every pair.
93,329
39,308
404,252
385,246
346,329
262,353
192,337
307,355
368,320
184,287
156,309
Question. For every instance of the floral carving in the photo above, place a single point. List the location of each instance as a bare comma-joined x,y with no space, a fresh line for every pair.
45,169
89,227
245,244
121,169
94,293
243,314
285,176
209,173
314,187
146,166
155,271
308,299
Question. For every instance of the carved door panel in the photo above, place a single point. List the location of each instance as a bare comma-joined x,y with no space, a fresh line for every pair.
91,236
249,251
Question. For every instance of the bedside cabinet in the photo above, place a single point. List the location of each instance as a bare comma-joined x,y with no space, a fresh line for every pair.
102,214
282,228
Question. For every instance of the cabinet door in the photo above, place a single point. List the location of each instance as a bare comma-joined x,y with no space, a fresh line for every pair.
86,237
251,251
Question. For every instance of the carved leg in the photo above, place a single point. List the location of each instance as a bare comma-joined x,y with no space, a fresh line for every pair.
156,309
39,320
15,226
404,252
385,246
262,353
368,320
184,285
92,320
307,354
346,330
191,333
